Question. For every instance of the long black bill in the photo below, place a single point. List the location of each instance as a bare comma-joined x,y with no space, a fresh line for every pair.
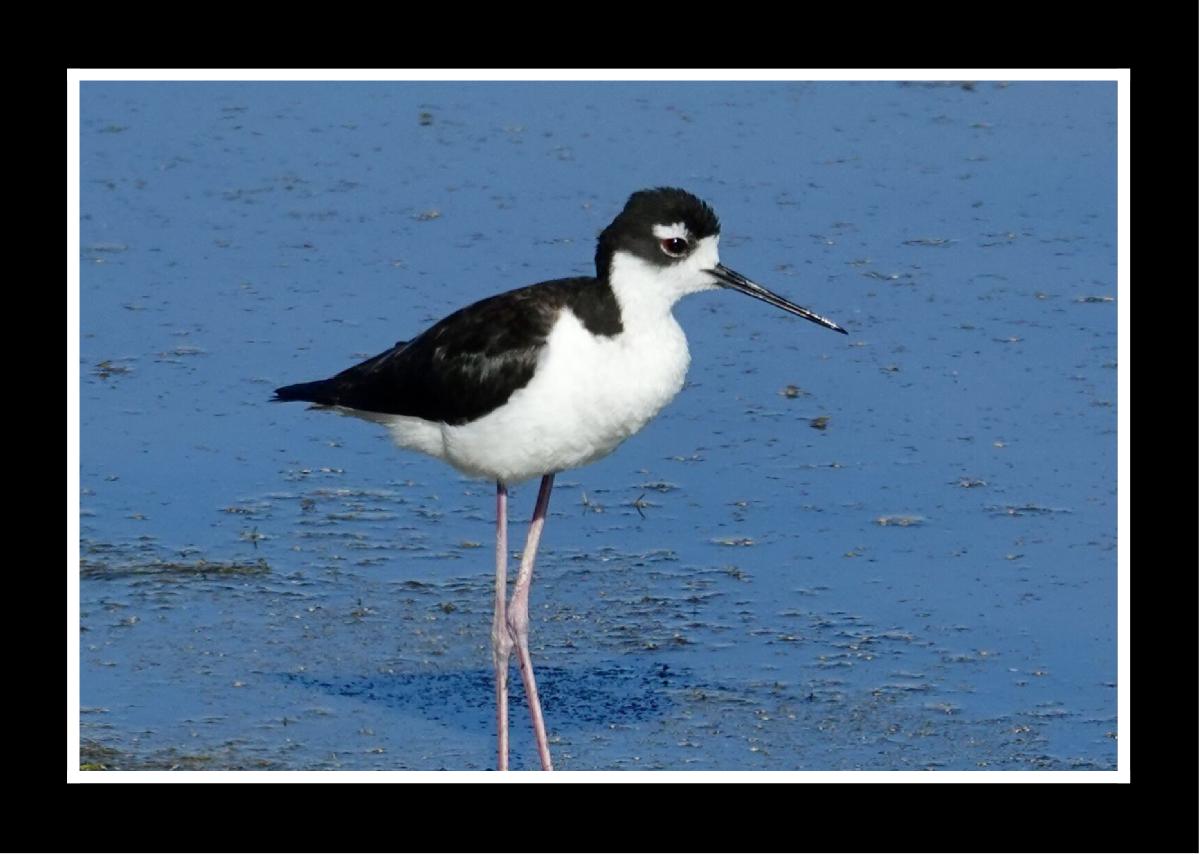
732,279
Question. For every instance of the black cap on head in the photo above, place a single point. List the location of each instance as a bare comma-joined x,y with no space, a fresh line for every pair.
632,230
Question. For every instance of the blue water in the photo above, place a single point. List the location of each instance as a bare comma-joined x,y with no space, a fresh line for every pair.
925,580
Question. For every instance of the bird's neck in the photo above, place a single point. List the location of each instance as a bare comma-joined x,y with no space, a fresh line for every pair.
644,294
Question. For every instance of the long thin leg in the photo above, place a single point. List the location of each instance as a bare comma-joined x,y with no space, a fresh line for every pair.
501,639
518,618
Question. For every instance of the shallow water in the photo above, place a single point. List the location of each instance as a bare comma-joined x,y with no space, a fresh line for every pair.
924,578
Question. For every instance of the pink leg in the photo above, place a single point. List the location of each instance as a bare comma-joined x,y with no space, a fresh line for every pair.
501,640
518,619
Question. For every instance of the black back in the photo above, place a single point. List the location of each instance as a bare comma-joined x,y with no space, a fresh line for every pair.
471,362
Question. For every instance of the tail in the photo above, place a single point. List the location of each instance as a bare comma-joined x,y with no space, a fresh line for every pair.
318,392
344,388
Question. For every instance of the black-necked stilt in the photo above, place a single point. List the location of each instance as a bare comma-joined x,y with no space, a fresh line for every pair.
546,378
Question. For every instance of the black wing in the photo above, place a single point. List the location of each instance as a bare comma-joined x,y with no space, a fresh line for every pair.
464,366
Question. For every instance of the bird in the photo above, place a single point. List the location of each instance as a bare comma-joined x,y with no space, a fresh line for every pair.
546,378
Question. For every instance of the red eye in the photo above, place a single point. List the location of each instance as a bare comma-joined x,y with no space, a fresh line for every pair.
674,247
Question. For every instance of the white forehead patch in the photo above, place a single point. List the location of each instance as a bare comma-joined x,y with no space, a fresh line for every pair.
675,230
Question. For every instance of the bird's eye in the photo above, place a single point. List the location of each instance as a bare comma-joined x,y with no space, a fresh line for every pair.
674,247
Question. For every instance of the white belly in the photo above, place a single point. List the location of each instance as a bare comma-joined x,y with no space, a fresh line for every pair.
588,395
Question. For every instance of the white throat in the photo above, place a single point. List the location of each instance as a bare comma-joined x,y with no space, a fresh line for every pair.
646,292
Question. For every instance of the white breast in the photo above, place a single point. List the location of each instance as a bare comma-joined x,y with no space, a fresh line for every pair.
589,394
